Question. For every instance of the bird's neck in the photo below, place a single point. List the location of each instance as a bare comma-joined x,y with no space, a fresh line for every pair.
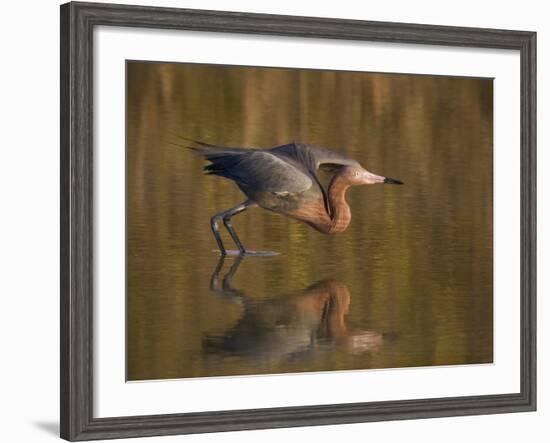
340,214
333,219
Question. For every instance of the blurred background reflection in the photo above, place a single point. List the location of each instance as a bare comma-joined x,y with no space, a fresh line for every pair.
300,326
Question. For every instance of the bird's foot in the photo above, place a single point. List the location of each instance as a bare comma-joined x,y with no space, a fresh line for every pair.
247,253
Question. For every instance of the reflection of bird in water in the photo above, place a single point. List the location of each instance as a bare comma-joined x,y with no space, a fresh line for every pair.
287,327
284,180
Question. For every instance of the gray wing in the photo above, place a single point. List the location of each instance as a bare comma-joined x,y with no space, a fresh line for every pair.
310,158
313,157
257,170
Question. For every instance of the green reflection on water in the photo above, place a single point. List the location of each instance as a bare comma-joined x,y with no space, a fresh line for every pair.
415,263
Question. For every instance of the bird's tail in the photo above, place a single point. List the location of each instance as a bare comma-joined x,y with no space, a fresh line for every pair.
208,150
220,157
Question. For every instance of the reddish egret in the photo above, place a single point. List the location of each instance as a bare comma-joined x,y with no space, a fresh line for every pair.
284,180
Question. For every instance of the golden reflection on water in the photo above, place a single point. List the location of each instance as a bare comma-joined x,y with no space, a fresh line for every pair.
408,284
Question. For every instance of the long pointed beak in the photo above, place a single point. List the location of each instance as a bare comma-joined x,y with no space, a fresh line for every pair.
392,181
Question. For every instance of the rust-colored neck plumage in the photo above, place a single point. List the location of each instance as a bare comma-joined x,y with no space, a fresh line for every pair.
340,213
337,218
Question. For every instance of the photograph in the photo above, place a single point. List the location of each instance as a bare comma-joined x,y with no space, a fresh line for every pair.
283,220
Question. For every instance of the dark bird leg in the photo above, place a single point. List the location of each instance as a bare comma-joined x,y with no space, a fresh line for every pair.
214,225
226,218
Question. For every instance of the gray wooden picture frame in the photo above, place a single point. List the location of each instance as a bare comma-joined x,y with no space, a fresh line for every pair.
77,24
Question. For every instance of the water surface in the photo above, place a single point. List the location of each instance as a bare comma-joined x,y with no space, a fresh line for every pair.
408,284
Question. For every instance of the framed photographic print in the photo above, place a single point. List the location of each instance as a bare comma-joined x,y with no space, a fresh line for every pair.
272,221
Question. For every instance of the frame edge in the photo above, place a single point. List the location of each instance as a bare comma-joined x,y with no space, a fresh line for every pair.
528,56
76,207
66,425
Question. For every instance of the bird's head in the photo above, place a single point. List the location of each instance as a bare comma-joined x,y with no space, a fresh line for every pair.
357,175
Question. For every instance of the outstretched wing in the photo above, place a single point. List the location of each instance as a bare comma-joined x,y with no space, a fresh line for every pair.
311,158
286,168
255,169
